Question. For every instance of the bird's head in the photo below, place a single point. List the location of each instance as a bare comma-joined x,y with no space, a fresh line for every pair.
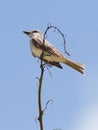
33,34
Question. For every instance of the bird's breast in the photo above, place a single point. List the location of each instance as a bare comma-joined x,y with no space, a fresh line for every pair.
47,56
35,51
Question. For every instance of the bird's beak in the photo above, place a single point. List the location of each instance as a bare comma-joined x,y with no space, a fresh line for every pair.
26,32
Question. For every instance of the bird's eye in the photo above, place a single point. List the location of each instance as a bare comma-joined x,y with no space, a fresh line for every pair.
35,31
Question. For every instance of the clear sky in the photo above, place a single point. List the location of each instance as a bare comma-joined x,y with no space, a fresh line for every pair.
75,97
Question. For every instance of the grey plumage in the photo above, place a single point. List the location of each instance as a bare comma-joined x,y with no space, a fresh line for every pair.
51,56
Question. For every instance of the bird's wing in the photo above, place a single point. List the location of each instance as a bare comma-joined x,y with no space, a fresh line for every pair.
48,48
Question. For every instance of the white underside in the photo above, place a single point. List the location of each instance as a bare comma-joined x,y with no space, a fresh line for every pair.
37,52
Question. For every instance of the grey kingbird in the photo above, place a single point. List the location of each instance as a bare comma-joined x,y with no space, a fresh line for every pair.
51,55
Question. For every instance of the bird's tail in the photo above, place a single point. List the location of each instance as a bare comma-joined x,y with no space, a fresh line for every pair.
77,66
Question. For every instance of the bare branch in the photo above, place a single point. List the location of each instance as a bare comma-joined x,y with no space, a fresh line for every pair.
49,71
42,67
63,36
47,104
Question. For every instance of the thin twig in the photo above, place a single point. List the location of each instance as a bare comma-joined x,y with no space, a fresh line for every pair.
63,36
40,118
47,104
42,66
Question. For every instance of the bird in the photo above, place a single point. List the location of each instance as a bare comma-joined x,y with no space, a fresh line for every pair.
51,55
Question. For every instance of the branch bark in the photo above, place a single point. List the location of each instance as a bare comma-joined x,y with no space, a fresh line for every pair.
40,118
42,66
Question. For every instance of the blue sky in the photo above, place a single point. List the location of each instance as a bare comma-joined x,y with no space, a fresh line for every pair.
75,97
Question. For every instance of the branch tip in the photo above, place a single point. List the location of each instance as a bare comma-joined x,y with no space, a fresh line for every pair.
47,105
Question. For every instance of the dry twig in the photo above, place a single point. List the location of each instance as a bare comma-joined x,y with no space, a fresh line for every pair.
42,66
